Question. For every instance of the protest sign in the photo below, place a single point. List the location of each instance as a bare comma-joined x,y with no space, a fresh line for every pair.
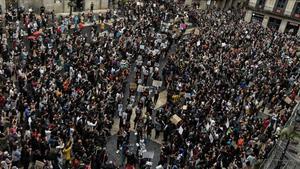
140,88
288,100
175,119
162,99
157,83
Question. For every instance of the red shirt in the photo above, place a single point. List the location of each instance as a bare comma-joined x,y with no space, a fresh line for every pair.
2,101
128,166
266,123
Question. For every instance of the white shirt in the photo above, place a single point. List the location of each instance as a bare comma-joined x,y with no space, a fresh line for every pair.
91,125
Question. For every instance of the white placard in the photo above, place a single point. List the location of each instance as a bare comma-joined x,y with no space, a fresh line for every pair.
180,130
140,88
187,95
157,83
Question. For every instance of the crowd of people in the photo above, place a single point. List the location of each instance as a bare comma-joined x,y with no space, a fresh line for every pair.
63,85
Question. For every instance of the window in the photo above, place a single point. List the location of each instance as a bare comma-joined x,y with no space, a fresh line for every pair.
297,10
292,28
261,2
281,4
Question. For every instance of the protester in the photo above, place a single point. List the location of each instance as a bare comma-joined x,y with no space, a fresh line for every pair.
66,80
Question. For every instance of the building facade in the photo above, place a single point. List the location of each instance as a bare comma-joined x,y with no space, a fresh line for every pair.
281,15
59,6
220,4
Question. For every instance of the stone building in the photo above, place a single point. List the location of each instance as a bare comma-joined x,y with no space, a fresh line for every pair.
59,6
221,4
282,15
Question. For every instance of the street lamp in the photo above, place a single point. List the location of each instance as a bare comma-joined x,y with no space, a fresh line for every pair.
71,4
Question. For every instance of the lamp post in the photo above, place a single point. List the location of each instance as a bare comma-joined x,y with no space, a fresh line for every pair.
71,4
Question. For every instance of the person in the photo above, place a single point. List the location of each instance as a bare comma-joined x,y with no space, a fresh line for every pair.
42,10
120,139
158,128
67,154
25,157
92,6
59,87
16,156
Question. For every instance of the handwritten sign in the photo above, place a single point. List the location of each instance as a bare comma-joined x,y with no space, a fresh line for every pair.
288,100
140,88
157,83
175,119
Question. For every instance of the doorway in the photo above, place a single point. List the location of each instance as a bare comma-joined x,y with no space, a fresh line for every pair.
79,5
257,18
292,28
274,23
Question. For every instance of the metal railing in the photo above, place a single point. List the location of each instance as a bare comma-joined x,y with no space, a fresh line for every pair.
275,153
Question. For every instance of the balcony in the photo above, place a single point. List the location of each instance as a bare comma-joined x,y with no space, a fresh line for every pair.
279,10
252,4
296,10
268,8
260,6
